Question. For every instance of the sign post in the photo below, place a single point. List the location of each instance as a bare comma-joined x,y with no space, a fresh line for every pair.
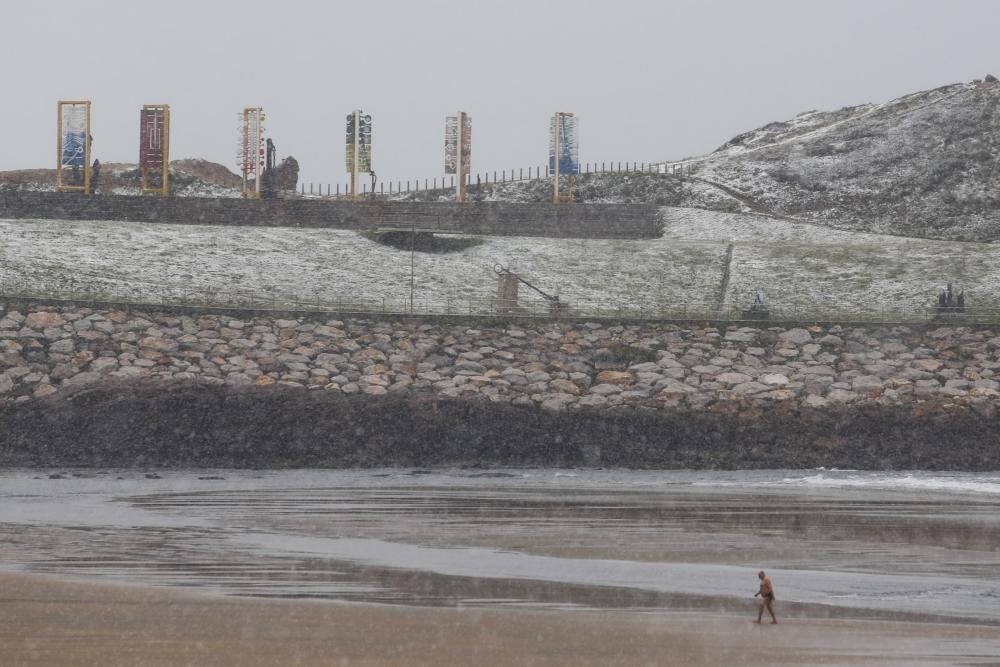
564,153
251,154
458,150
73,144
359,147
154,147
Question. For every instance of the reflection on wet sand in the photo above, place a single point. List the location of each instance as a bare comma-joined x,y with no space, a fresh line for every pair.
597,541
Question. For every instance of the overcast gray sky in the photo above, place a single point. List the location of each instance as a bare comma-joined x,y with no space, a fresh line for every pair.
649,80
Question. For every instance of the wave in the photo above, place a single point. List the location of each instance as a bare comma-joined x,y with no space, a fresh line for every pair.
945,483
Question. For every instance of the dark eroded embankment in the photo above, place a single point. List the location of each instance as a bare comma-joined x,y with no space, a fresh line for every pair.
197,425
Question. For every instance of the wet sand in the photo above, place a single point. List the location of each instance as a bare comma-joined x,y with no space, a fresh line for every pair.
51,622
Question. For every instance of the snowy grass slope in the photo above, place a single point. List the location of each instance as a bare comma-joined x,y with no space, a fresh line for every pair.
801,267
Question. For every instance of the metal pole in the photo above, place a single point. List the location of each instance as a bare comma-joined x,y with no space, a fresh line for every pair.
354,167
59,138
86,160
460,166
165,180
555,158
412,240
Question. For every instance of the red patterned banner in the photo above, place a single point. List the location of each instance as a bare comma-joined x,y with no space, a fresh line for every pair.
151,139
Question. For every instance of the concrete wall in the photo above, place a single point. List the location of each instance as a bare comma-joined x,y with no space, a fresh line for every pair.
611,221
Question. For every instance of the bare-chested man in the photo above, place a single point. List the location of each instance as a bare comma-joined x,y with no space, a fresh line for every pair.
766,594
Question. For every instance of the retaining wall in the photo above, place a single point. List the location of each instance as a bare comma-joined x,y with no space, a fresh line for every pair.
611,221
80,386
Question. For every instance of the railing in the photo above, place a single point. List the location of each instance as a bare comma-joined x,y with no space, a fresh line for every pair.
445,184
150,296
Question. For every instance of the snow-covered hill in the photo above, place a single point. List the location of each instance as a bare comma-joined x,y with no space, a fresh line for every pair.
922,165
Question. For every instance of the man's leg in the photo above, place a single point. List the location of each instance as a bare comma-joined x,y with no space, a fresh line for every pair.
770,609
760,611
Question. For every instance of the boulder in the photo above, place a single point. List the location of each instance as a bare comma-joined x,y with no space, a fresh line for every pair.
40,321
733,378
795,336
621,378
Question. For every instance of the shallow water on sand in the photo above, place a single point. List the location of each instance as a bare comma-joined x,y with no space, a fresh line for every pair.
915,546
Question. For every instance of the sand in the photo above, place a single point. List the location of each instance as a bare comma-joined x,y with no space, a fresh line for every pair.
47,621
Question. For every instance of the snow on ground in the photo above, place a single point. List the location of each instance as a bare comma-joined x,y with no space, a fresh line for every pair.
802,268
281,266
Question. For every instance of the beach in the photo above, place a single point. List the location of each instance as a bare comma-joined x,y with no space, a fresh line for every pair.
540,567
46,621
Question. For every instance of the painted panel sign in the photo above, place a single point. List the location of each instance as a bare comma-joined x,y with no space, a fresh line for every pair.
451,144
363,135
151,138
564,143
74,135
253,140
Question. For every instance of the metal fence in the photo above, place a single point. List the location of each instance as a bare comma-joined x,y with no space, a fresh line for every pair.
446,184
151,296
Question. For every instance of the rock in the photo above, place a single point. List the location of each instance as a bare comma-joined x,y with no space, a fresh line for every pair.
740,337
795,336
842,396
815,402
647,367
43,390
129,372
64,346
565,387
159,344
6,384
927,365
672,387
239,379
104,364
748,388
818,370
471,367
557,402
605,389
774,379
864,383
779,395
732,378
43,320
89,377
592,401
615,378
537,376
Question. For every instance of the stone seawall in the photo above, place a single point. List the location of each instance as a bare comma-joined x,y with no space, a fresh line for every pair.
599,221
649,394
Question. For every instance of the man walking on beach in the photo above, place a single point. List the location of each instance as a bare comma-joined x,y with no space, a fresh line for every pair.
766,594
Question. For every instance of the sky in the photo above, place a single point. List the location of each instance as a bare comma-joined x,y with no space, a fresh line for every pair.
649,80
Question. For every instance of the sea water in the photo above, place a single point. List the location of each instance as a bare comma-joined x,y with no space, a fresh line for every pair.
911,545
